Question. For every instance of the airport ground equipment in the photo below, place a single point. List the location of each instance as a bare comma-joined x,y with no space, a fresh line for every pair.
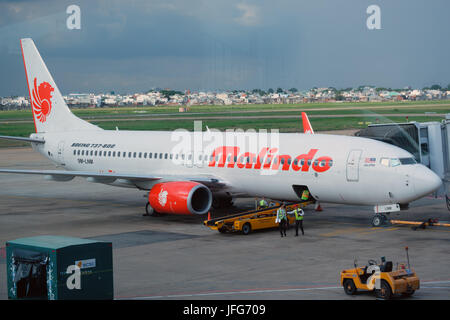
421,224
381,279
43,267
249,221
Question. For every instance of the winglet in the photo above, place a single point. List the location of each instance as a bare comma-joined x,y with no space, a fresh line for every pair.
306,124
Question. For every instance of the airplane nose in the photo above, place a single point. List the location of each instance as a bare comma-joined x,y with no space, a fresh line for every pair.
425,181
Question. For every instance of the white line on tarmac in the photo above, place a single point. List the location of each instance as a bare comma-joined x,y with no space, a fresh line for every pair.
263,291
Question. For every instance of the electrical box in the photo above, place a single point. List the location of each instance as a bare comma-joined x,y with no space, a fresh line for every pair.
59,268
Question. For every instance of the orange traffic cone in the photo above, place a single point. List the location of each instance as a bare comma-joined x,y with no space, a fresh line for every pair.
209,216
319,208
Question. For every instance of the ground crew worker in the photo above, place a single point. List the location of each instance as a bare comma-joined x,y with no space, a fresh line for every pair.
298,219
263,203
282,219
305,195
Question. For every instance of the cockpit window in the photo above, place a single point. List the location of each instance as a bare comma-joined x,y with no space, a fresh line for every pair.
407,160
395,162
384,162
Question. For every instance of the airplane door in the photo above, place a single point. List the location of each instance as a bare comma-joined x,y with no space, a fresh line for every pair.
353,160
60,153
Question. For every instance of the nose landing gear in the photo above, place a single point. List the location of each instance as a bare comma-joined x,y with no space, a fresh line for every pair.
379,220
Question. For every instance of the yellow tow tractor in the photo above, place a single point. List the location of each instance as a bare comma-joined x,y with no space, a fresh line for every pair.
381,278
248,221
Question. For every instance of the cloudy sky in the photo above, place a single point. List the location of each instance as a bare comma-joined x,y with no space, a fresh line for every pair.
133,46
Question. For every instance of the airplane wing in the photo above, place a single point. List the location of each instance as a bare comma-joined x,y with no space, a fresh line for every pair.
22,139
63,175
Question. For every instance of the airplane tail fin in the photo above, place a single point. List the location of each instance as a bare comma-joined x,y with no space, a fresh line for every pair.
50,111
307,128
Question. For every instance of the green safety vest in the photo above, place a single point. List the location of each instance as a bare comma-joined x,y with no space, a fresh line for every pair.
263,203
298,216
305,195
281,214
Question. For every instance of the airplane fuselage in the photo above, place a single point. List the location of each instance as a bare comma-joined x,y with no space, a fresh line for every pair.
337,169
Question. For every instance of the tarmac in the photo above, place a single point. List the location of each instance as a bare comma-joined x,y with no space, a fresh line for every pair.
176,257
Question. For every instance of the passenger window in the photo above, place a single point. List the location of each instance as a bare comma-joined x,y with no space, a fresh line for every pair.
190,157
134,154
140,154
145,155
182,156
78,152
74,152
171,156
160,155
109,153
149,155
129,154
82,152
114,153
165,156
96,152
118,154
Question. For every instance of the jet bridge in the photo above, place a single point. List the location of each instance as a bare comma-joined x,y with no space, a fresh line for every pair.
428,142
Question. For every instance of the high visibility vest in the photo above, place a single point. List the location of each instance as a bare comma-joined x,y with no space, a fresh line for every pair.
263,203
298,216
281,214
305,195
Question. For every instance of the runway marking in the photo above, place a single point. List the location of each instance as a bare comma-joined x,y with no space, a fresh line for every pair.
217,293
342,232
256,291
379,230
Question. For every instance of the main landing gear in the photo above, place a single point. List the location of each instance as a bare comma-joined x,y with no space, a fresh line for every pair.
149,211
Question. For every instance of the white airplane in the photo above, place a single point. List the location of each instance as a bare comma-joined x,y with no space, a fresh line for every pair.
333,168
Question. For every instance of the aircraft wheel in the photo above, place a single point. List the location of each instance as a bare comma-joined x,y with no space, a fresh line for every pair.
349,287
377,220
149,211
246,228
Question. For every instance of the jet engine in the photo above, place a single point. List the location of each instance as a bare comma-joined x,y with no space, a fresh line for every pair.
180,197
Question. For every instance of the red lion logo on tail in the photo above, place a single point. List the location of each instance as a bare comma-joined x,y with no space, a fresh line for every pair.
41,100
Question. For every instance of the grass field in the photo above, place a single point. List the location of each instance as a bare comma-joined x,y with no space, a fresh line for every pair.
286,118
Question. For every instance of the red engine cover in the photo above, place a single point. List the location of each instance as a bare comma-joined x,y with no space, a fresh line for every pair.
180,197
